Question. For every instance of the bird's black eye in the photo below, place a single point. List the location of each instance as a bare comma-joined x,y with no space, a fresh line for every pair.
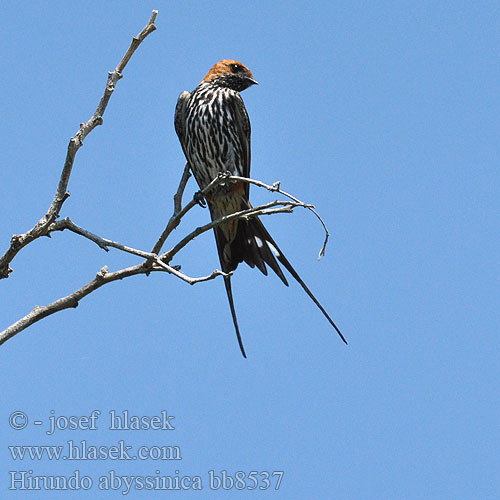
236,68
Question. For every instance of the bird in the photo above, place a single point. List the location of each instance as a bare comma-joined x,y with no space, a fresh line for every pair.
214,131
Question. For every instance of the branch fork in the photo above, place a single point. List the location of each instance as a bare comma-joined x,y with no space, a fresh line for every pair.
152,261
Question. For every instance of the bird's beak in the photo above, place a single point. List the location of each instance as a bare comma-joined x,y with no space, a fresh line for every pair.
251,81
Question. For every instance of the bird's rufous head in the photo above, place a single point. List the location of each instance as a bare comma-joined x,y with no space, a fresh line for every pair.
231,74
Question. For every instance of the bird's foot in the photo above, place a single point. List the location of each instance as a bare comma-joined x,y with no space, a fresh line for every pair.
200,199
224,176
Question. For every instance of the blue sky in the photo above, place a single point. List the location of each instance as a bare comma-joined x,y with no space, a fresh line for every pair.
384,115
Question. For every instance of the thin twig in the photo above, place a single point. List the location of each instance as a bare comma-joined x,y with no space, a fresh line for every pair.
276,187
41,228
176,218
186,174
105,243
283,207
178,212
71,300
137,40
221,179
152,261
188,279
102,278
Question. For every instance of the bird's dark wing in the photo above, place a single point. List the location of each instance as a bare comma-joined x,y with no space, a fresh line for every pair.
180,118
242,124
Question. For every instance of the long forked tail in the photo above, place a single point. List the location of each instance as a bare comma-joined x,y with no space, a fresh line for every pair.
254,245
258,230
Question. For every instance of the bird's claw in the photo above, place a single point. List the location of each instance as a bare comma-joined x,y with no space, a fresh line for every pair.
200,199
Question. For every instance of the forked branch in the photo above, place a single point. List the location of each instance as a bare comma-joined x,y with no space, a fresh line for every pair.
152,261
41,228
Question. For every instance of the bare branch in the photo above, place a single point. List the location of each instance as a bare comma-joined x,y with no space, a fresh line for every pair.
103,243
178,212
71,300
176,217
188,279
137,40
284,207
102,278
152,261
180,190
41,228
153,258
221,179
67,223
276,187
